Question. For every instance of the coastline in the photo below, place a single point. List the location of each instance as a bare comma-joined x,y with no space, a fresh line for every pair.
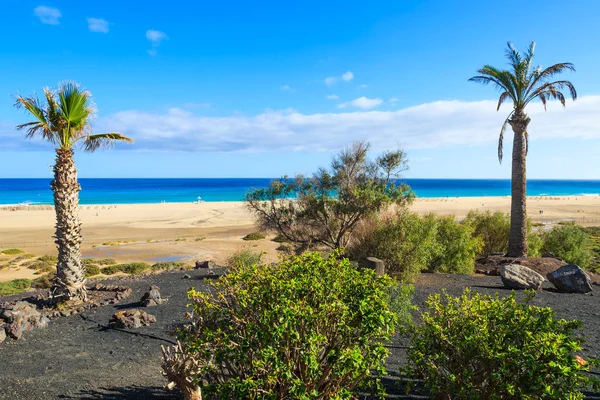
214,230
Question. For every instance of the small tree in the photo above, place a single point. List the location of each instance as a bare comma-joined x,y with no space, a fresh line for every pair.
324,210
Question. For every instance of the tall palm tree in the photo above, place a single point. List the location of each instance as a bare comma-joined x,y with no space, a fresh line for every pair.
64,120
521,85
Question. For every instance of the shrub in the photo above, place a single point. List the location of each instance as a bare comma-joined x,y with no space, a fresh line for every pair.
199,239
456,247
106,261
180,239
43,282
570,243
476,346
14,287
493,229
284,248
167,265
245,257
306,328
280,239
134,268
254,236
110,270
48,259
12,251
91,270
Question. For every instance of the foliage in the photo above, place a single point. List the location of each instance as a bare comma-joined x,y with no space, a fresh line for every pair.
167,265
14,287
91,270
200,238
12,251
180,239
570,243
43,282
48,259
476,346
323,210
306,328
110,270
279,238
493,229
254,236
405,241
134,268
456,247
245,258
400,303
106,261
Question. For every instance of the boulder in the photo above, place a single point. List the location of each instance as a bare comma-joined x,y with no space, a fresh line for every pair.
152,298
15,328
520,277
570,279
205,264
131,319
2,334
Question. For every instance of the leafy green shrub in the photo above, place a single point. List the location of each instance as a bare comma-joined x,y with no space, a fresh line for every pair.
134,268
456,247
110,270
43,282
167,265
180,239
254,236
479,347
306,328
12,251
405,241
14,287
285,248
493,229
48,259
279,238
570,243
245,257
91,270
106,261
200,238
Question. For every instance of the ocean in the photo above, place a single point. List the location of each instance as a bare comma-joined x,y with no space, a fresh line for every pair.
143,190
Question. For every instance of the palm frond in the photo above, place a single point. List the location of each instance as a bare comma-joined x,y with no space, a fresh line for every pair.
553,90
544,75
94,142
76,109
41,126
503,97
501,137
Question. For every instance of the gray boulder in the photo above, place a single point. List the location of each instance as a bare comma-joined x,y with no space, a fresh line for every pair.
519,277
570,279
131,319
206,264
152,298
2,334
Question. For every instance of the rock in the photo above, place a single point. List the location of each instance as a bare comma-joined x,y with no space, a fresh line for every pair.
375,264
570,279
2,334
15,328
205,264
131,319
185,276
520,277
152,298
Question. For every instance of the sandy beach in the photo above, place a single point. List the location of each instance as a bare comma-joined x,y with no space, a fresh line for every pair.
202,231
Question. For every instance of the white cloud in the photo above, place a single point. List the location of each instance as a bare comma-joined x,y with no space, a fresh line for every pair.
393,100
332,80
363,86
362,102
156,37
287,88
347,76
98,25
48,15
333,97
439,124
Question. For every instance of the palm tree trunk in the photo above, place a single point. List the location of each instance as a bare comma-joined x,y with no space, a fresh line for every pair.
517,242
69,282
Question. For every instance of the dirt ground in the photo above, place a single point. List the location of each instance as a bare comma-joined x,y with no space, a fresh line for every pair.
75,358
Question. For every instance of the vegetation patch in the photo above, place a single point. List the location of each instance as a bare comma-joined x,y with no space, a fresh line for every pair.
14,287
199,239
245,257
43,282
91,270
134,268
254,236
12,251
168,265
279,238
180,239
482,347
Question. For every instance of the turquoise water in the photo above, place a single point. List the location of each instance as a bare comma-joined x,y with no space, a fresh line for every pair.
132,191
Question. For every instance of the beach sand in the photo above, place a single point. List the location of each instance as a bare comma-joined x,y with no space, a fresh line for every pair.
150,232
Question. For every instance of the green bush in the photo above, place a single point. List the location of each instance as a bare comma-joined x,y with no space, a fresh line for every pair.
479,347
254,236
245,257
279,238
110,270
570,243
306,328
106,261
43,282
48,259
134,268
493,229
14,287
12,251
167,265
91,270
405,241
456,247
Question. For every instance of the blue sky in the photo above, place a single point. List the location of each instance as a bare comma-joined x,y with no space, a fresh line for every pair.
239,89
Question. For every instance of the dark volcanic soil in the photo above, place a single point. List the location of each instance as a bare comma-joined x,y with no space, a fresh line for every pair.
74,358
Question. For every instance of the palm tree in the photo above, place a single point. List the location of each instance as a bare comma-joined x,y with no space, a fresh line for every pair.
64,120
521,85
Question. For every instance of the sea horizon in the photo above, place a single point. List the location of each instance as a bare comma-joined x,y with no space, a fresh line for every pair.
100,191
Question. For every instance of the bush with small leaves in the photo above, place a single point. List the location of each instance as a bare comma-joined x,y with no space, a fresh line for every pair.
456,247
306,328
134,268
12,251
91,270
570,243
482,347
13,287
245,257
110,270
168,265
254,236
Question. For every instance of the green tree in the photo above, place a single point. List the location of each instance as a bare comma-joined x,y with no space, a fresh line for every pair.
325,209
64,120
522,84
